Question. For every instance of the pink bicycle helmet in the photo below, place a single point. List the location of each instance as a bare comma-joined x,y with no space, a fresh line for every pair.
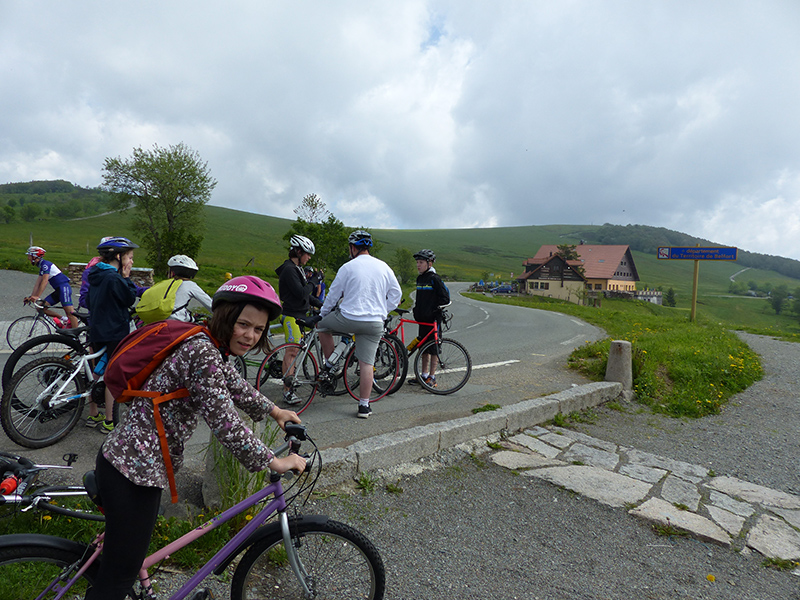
247,288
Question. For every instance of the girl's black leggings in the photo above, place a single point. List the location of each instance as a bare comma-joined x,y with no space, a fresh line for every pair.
131,512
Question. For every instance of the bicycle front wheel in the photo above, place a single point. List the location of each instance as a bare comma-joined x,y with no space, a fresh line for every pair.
25,328
454,366
300,377
53,345
340,562
384,371
32,412
27,570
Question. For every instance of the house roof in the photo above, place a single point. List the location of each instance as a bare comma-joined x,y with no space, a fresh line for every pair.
539,264
599,262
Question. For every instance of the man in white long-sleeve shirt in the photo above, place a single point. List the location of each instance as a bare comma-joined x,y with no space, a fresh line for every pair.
368,290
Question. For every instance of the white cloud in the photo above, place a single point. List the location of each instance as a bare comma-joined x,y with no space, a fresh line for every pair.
427,111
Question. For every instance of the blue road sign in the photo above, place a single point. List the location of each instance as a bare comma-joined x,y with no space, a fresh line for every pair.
694,253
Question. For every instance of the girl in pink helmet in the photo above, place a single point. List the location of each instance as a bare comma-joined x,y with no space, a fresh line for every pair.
130,468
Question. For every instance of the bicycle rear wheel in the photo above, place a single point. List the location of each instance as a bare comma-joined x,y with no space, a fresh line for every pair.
53,345
30,413
301,377
340,561
384,371
454,366
26,570
26,328
402,356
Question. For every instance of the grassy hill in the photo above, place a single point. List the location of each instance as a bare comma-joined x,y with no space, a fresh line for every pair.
240,242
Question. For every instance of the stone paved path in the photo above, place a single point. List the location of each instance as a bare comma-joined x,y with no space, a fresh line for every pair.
667,492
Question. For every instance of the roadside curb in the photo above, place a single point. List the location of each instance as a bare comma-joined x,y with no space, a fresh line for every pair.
343,465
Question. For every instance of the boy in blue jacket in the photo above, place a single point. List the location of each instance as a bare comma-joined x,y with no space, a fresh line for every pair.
111,296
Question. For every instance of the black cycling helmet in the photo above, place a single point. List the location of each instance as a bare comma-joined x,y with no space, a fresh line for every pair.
425,255
360,239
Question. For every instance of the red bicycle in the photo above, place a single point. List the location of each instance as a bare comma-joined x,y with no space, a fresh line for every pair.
448,360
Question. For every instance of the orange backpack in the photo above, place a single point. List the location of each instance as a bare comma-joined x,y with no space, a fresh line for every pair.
135,359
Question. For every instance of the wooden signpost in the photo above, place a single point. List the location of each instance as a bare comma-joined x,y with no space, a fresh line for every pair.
696,254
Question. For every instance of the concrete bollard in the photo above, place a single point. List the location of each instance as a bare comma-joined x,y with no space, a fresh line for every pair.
619,364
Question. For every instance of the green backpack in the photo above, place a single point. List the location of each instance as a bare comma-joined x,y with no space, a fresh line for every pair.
158,302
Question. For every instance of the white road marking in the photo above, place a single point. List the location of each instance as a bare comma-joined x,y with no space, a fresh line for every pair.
572,341
486,366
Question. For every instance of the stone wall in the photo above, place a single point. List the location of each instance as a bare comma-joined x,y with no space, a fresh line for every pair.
141,277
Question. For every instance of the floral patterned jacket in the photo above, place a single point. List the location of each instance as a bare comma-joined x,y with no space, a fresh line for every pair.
215,391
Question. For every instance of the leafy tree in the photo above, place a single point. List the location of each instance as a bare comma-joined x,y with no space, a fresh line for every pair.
568,251
168,188
8,214
12,202
330,241
404,265
29,212
778,297
312,209
669,297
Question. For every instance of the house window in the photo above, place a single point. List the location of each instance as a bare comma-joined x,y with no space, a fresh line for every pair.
598,286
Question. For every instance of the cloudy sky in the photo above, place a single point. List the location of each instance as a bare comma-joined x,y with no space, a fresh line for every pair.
428,114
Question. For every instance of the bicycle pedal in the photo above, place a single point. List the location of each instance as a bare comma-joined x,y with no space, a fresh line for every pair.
202,594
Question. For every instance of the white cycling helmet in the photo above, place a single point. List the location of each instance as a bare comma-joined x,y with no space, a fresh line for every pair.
300,242
181,260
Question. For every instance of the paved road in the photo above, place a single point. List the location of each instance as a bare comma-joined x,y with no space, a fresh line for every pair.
517,354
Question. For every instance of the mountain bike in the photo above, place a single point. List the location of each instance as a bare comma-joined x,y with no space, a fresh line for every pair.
454,362
303,376
41,323
44,399
298,556
66,343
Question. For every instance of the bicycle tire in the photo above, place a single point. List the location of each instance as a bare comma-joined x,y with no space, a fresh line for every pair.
27,569
26,328
385,371
24,412
402,356
270,378
341,563
454,369
52,345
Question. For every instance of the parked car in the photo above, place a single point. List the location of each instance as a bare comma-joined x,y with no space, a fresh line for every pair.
503,289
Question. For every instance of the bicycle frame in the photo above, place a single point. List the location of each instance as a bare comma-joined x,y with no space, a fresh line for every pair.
222,558
401,326
83,365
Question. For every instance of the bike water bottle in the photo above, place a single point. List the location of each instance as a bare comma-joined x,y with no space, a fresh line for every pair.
340,349
413,344
8,485
101,364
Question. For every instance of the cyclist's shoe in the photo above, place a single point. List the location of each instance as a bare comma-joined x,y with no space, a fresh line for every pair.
106,426
412,381
430,382
291,398
95,421
364,411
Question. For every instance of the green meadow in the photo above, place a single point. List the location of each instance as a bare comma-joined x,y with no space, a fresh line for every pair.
240,242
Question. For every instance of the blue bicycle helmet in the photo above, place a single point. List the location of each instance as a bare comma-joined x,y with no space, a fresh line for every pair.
119,244
360,239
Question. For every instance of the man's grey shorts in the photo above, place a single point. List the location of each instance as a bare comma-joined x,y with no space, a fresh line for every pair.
367,334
